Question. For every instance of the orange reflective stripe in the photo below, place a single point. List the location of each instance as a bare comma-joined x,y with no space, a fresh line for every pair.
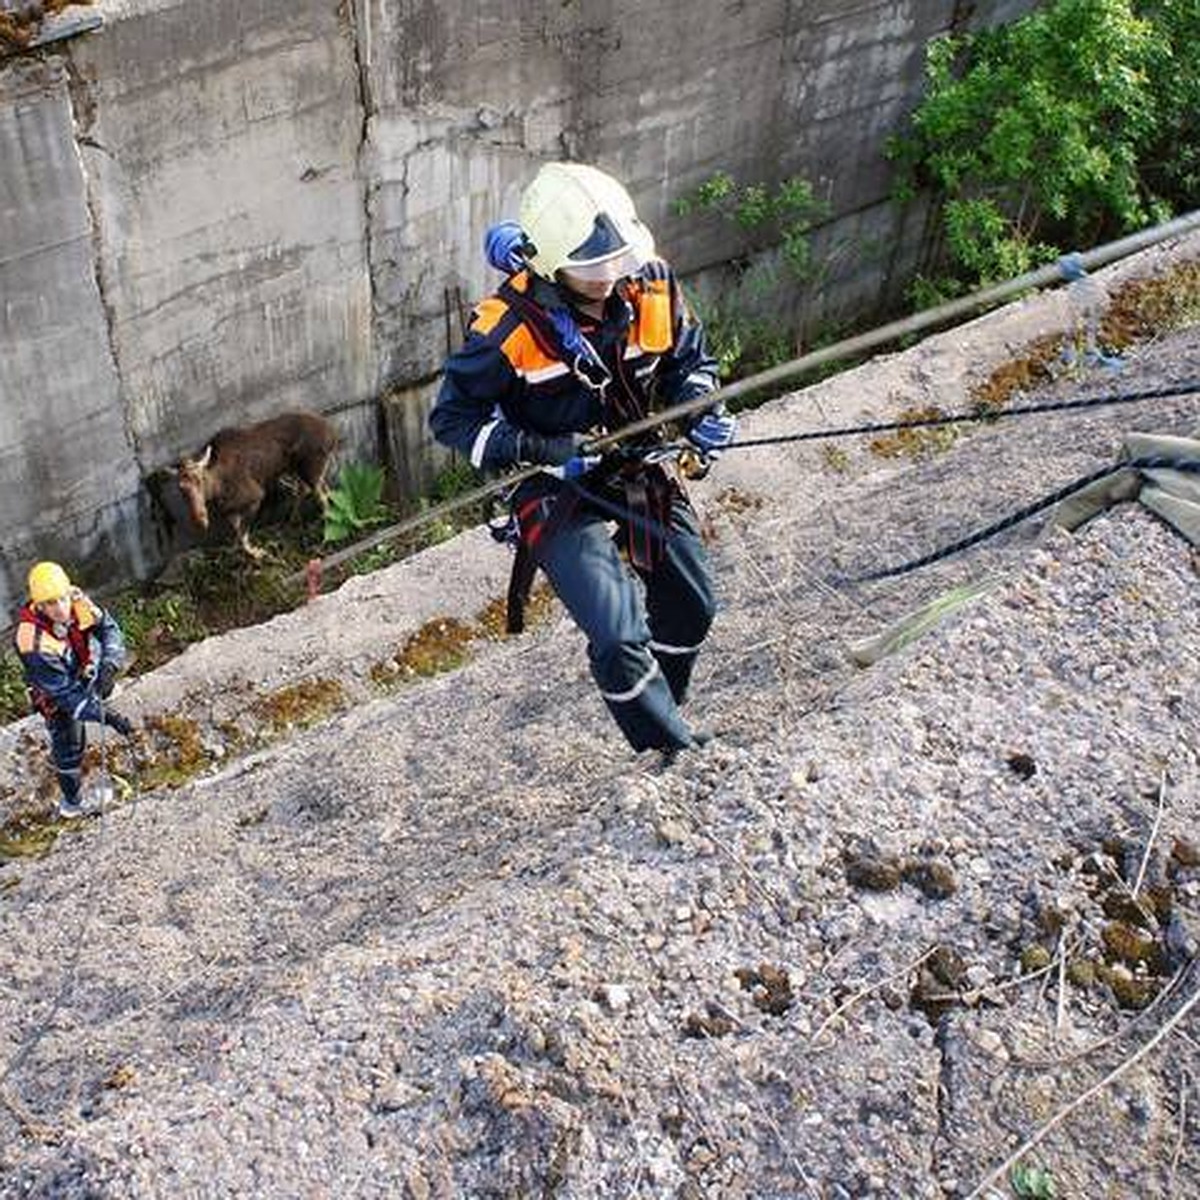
488,314
86,614
522,350
33,639
49,644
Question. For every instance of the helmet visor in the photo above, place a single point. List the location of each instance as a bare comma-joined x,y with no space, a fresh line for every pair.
608,270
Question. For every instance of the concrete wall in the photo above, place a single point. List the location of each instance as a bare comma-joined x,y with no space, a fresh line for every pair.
213,212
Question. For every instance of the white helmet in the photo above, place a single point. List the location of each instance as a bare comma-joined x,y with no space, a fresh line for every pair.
582,221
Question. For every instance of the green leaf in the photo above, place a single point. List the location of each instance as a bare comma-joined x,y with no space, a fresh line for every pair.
1033,1183
356,502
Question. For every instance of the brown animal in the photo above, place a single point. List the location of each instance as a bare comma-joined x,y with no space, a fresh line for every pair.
233,473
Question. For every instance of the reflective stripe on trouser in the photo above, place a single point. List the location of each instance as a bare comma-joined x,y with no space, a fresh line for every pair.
67,741
639,685
679,601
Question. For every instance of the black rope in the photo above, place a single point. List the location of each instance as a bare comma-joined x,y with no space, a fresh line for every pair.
614,441
1149,463
1181,389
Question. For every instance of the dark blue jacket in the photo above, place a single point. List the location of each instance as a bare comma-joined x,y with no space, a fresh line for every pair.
515,373
59,660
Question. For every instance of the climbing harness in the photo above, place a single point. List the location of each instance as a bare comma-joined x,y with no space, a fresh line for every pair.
654,423
647,492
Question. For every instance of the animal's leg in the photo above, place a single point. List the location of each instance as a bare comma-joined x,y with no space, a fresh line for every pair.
322,491
257,553
316,480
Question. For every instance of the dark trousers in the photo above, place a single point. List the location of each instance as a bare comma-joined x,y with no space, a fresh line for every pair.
641,653
68,740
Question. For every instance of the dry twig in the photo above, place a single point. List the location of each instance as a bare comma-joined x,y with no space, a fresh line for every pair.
1042,1064
1183,1090
796,1165
1015,1157
764,892
1060,1007
1158,816
864,992
974,994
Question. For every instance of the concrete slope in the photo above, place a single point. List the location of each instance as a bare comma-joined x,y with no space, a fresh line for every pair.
457,941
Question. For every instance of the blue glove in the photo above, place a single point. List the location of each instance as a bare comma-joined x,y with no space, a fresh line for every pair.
504,247
573,468
713,433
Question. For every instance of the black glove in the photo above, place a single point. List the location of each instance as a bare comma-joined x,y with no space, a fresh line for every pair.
106,679
123,725
550,451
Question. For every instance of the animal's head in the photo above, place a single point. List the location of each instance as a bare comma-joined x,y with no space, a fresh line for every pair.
192,474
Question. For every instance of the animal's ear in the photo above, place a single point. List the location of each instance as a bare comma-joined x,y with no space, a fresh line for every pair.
205,457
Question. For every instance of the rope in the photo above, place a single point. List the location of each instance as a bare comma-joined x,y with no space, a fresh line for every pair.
1181,389
847,348
1149,463
612,441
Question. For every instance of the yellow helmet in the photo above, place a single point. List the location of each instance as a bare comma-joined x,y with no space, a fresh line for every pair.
577,217
48,581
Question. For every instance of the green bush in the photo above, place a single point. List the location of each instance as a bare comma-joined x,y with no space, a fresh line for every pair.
157,627
748,329
457,477
1074,124
356,503
784,217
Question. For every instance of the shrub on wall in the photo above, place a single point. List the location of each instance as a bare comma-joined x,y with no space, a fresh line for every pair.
1074,124
747,329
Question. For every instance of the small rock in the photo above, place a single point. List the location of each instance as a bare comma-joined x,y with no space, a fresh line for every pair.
978,976
614,996
670,832
1186,852
991,1043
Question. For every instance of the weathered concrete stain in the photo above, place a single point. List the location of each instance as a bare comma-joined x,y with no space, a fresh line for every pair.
216,213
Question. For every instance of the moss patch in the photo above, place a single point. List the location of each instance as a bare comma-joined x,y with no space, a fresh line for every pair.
444,644
919,442
28,836
1142,308
300,704
1034,369
176,752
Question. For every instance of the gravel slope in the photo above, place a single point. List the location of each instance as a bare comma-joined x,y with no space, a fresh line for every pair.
456,941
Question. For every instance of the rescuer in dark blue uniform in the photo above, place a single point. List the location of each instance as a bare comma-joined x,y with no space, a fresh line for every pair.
589,333
71,651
